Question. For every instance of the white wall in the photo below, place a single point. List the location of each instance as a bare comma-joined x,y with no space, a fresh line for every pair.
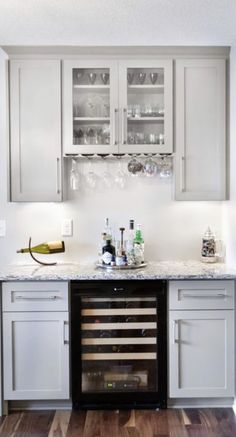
172,230
229,210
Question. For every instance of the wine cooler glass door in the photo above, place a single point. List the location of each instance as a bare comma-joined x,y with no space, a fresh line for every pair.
119,344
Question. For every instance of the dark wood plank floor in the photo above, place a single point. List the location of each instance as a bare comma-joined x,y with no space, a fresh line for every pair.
208,422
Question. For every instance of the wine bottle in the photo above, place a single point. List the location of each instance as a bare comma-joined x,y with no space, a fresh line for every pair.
46,248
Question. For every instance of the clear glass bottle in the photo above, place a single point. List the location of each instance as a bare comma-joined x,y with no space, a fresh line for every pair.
139,245
107,230
130,244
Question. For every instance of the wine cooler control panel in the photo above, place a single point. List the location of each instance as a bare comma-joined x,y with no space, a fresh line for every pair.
119,342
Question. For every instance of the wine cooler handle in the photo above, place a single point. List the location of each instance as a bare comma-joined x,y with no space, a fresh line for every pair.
36,298
65,335
124,126
58,176
115,129
118,289
174,338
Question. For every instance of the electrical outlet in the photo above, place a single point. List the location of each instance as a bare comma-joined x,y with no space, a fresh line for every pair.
2,228
67,228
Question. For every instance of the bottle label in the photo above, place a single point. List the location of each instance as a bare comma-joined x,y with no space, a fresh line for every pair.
106,258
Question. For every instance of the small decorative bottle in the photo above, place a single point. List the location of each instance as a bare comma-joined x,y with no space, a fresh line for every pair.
209,247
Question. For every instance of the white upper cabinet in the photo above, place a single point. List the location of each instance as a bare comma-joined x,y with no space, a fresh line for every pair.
117,106
35,130
200,121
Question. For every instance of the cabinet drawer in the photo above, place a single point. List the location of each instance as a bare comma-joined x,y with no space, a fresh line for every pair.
188,295
35,296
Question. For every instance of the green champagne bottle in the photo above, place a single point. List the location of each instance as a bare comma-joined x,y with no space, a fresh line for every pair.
46,248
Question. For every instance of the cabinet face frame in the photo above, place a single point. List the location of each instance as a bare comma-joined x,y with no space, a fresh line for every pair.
186,114
67,102
22,138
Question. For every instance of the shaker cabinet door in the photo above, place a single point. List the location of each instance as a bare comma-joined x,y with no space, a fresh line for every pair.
201,354
35,130
36,355
200,129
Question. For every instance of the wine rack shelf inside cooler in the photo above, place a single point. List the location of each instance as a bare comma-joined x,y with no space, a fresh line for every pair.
118,329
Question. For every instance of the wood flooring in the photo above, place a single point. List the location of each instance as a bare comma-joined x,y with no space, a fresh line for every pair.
215,422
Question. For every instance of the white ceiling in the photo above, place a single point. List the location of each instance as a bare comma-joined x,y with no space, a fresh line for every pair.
117,22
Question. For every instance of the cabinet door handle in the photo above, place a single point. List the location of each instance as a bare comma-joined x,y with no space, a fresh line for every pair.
58,177
115,127
37,298
124,126
175,339
65,337
182,173
205,296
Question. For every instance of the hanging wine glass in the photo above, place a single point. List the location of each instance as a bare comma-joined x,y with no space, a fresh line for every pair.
150,167
135,167
120,176
91,179
165,167
74,176
107,179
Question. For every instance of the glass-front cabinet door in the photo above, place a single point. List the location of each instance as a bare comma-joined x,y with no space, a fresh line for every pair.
146,106
90,113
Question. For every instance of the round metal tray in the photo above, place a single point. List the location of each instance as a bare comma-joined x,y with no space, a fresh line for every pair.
105,267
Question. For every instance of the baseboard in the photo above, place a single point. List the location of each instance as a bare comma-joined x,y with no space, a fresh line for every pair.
40,405
201,403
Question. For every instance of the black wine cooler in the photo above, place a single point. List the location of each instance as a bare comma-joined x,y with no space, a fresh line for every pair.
119,344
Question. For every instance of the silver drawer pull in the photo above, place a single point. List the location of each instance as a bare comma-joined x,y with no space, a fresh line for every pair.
205,296
37,298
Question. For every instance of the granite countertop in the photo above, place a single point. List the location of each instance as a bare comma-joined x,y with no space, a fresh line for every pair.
154,270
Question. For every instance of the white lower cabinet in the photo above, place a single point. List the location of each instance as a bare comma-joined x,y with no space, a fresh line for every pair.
201,342
36,347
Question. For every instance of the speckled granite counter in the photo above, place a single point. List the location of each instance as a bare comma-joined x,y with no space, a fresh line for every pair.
154,270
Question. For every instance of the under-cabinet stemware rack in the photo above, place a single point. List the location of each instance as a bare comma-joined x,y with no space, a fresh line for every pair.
115,155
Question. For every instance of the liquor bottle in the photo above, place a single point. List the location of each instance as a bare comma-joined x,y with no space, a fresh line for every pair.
139,245
107,230
130,244
108,253
46,248
100,247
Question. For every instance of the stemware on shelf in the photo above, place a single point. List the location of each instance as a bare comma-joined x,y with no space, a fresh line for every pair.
107,179
130,78
105,78
79,76
153,78
141,78
92,78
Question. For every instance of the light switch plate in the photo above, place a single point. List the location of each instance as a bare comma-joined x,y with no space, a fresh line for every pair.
2,228
67,228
